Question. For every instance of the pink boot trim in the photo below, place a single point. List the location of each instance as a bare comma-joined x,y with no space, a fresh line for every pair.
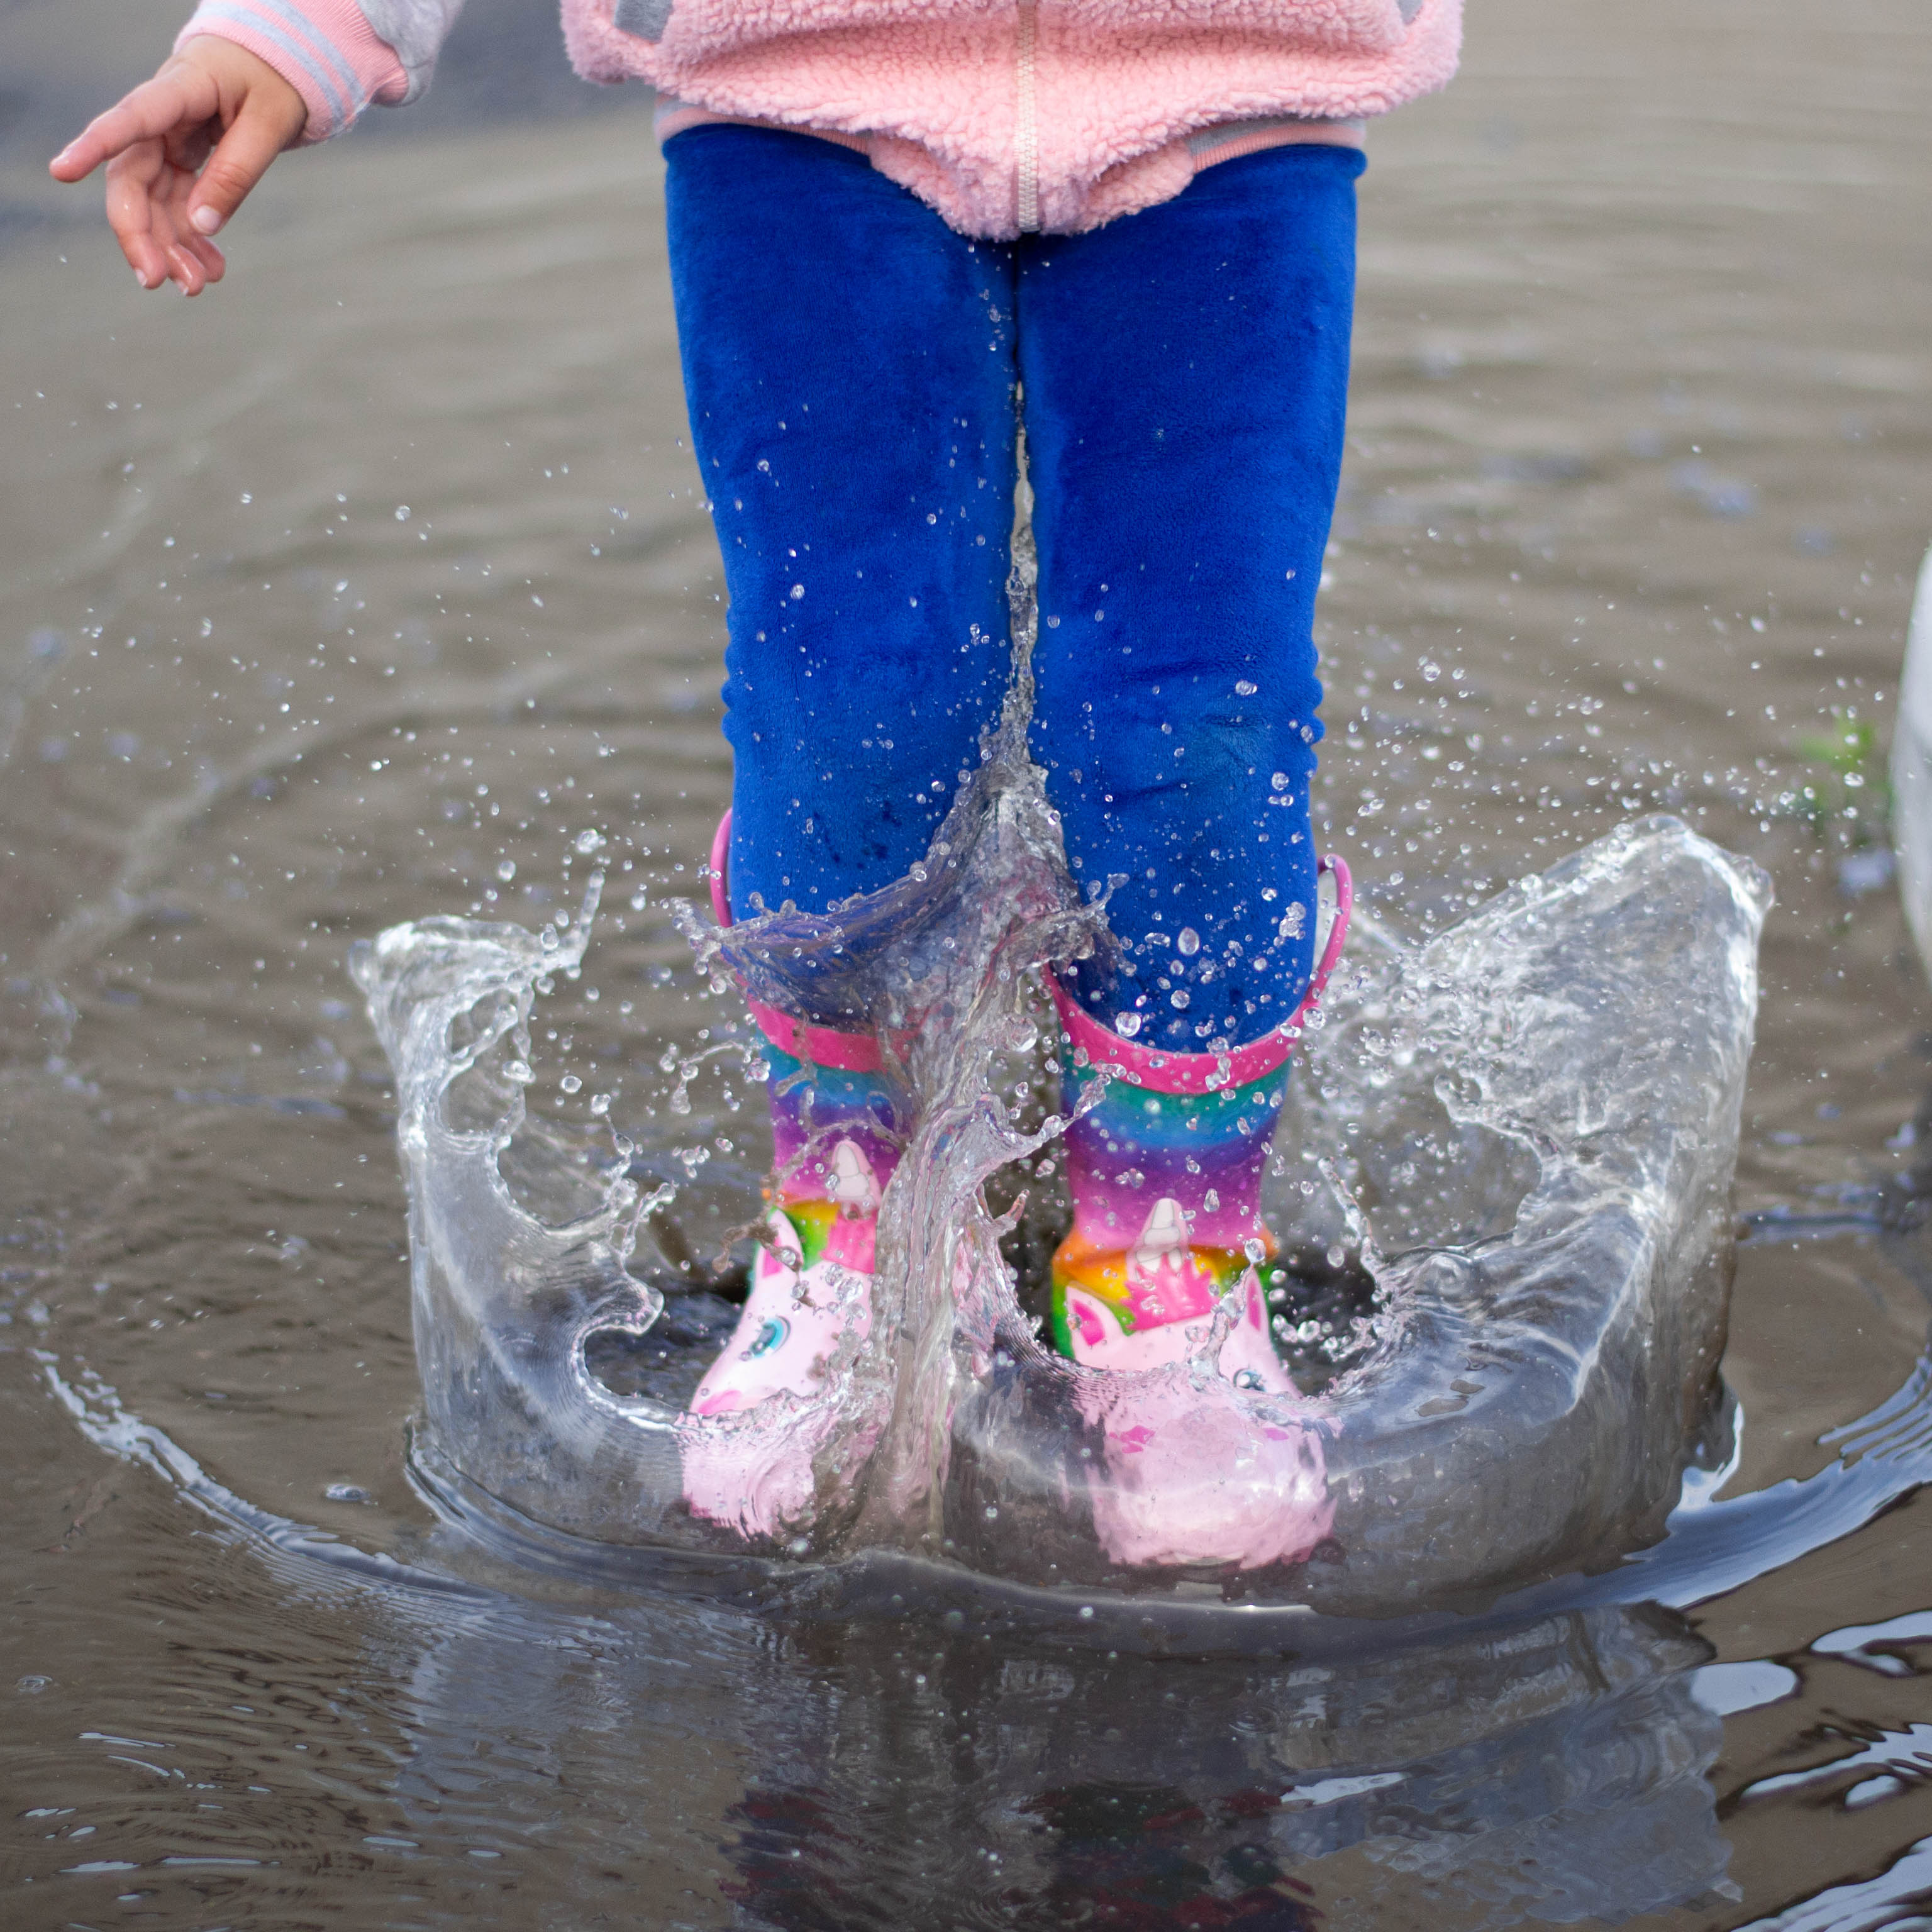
1163,1072
845,1052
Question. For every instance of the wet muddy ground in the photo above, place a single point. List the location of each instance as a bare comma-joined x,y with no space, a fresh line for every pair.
358,589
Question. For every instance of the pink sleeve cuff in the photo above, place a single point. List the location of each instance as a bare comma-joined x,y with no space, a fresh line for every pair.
325,50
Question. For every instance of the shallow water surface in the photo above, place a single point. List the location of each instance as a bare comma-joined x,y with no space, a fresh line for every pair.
366,588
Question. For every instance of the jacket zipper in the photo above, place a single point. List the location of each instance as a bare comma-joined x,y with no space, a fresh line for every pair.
1026,130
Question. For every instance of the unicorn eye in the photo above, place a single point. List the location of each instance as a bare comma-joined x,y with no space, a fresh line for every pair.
770,1336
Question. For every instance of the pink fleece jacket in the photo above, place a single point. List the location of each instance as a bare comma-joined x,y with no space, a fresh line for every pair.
1007,116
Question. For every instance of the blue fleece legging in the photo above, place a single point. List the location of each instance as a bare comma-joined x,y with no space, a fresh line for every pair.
856,372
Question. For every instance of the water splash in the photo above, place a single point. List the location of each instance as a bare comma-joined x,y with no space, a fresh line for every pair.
1517,1140
1527,1126
1531,1123
1538,1114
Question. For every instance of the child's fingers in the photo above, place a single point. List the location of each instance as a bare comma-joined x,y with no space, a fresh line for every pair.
134,208
213,263
177,97
258,134
183,150
204,261
185,270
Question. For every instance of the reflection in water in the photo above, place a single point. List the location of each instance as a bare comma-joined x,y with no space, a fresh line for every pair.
899,1773
869,1757
1895,1898
869,1747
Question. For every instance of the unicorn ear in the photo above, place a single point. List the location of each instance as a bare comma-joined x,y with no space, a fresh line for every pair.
1256,1312
1090,1323
780,1252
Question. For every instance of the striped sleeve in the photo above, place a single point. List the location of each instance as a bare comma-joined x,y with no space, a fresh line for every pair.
325,49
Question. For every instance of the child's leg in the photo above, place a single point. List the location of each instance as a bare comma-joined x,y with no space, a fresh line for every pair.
848,367
1185,374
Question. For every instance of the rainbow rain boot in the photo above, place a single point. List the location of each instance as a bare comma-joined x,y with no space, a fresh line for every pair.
1164,1169
837,1126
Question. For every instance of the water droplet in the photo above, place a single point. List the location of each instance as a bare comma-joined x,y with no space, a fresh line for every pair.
507,871
1188,941
1242,689
402,512
1255,1249
1127,1024
570,1083
587,842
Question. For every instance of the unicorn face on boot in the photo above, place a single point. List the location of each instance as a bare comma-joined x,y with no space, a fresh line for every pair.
1171,1292
795,1317
1246,1358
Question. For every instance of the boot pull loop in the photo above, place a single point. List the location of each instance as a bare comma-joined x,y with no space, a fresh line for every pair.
721,858
1337,867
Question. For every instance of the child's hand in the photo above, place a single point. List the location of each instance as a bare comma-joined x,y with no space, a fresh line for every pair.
182,151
